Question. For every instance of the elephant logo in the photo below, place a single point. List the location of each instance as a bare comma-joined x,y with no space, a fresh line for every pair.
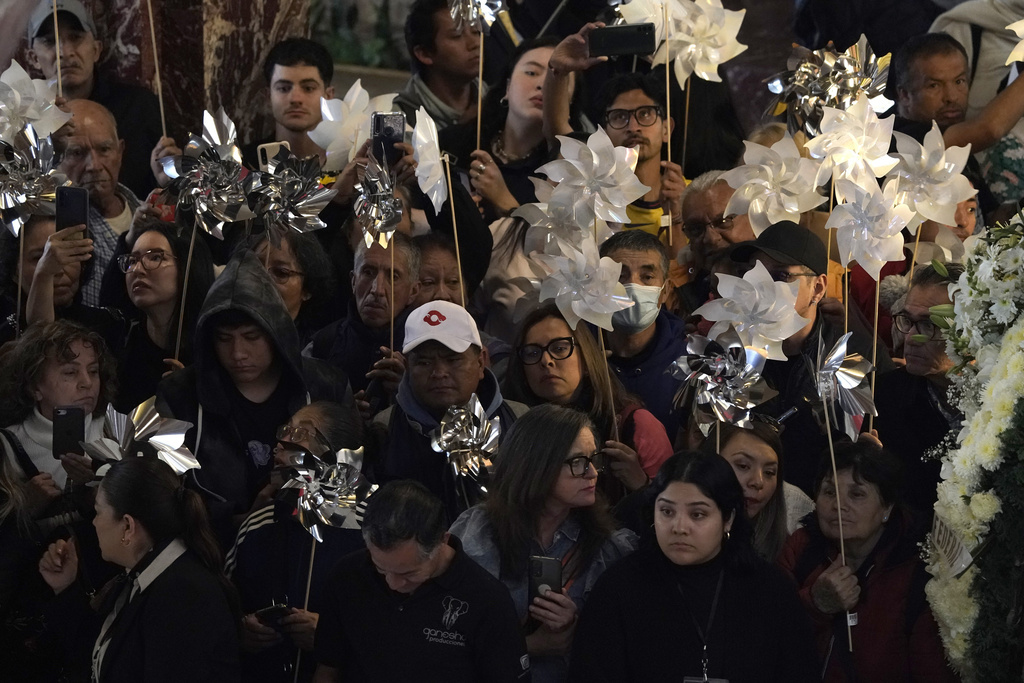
453,609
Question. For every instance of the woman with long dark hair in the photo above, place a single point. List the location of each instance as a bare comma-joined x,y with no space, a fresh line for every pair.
694,601
172,615
544,502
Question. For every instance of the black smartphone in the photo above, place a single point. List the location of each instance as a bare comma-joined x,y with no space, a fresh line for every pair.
626,39
545,575
387,129
72,206
272,616
68,430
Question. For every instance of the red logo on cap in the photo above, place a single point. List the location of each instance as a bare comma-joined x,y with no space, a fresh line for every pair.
434,318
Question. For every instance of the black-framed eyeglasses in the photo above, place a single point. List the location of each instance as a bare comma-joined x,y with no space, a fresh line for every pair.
579,465
786,276
694,229
619,118
281,275
559,348
150,260
925,327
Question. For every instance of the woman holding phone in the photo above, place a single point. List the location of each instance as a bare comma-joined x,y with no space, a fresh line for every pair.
544,508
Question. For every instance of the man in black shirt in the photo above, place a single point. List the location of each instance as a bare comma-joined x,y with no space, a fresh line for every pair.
413,607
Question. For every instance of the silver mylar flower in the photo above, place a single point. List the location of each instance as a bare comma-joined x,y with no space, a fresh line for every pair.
28,179
209,179
469,441
329,494
842,378
126,433
377,210
481,13
289,195
25,100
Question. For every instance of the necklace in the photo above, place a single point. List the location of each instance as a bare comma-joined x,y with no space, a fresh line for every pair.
498,149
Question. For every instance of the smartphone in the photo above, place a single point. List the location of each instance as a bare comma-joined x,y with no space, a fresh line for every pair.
626,39
68,430
545,575
72,206
264,153
387,129
272,616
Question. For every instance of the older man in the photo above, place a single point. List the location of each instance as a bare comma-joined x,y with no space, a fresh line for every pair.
447,366
135,109
93,161
914,413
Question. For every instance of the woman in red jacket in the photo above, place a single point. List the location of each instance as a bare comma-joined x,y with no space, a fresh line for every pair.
880,590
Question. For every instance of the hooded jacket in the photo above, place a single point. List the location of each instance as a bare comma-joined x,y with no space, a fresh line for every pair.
204,395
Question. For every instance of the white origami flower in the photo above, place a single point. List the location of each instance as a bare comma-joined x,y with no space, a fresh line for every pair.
594,179
551,221
427,153
1017,53
929,177
705,39
853,144
584,285
653,11
869,227
762,311
773,185
346,124
26,100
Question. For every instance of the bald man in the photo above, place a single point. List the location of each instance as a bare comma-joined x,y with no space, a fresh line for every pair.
93,161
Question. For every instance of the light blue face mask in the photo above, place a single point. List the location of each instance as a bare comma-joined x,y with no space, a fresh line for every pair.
642,313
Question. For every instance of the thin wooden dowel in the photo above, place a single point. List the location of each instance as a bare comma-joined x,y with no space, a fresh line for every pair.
839,509
156,69
184,292
455,228
21,274
479,94
913,258
56,41
874,351
305,606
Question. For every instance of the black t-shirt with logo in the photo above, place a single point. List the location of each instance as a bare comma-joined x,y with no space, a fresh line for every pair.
459,626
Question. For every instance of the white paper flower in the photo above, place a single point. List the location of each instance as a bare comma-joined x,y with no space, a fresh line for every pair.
762,311
548,222
26,100
1017,53
929,178
773,184
868,227
853,144
653,11
584,285
594,179
705,39
427,153
346,124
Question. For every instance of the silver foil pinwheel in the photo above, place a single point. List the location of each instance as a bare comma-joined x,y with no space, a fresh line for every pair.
469,440
378,211
28,179
329,494
481,13
843,378
723,377
126,435
208,178
25,100
289,196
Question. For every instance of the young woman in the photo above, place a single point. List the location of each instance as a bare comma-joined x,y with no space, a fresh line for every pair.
695,601
896,638
170,616
544,502
774,507
552,363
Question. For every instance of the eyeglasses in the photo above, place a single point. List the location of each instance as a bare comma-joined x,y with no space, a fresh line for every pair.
559,348
579,465
619,118
281,275
150,260
296,434
695,229
925,327
786,276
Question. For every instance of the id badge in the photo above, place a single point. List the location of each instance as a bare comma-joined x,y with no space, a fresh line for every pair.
701,679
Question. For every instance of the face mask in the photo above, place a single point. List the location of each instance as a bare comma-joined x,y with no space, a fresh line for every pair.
642,313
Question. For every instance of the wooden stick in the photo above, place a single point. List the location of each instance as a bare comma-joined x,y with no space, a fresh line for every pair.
668,96
846,302
305,605
56,41
455,228
839,507
913,259
479,96
184,291
21,274
156,69
392,248
718,436
874,351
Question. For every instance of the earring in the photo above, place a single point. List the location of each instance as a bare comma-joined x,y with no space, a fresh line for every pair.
503,101
124,540
727,535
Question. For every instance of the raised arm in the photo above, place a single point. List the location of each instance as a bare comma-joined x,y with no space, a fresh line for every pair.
571,55
994,121
63,248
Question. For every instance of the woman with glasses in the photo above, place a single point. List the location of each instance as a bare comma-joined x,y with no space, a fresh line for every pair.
544,502
694,602
552,363
143,332
269,562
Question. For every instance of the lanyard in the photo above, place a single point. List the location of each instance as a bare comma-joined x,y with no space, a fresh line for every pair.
704,633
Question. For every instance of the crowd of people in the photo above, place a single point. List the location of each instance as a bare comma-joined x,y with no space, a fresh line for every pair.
612,539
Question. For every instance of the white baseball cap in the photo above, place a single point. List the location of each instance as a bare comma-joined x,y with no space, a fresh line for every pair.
441,321
44,11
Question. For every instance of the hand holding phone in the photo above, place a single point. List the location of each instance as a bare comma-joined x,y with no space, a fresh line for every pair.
626,39
68,430
545,575
72,207
387,130
272,616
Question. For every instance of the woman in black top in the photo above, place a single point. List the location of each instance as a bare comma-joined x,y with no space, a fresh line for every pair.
695,601
172,615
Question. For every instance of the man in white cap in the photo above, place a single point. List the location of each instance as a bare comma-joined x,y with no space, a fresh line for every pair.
446,365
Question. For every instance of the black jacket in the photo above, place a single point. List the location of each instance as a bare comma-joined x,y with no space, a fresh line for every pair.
204,395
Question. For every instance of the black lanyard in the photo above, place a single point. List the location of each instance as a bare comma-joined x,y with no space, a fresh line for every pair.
703,634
